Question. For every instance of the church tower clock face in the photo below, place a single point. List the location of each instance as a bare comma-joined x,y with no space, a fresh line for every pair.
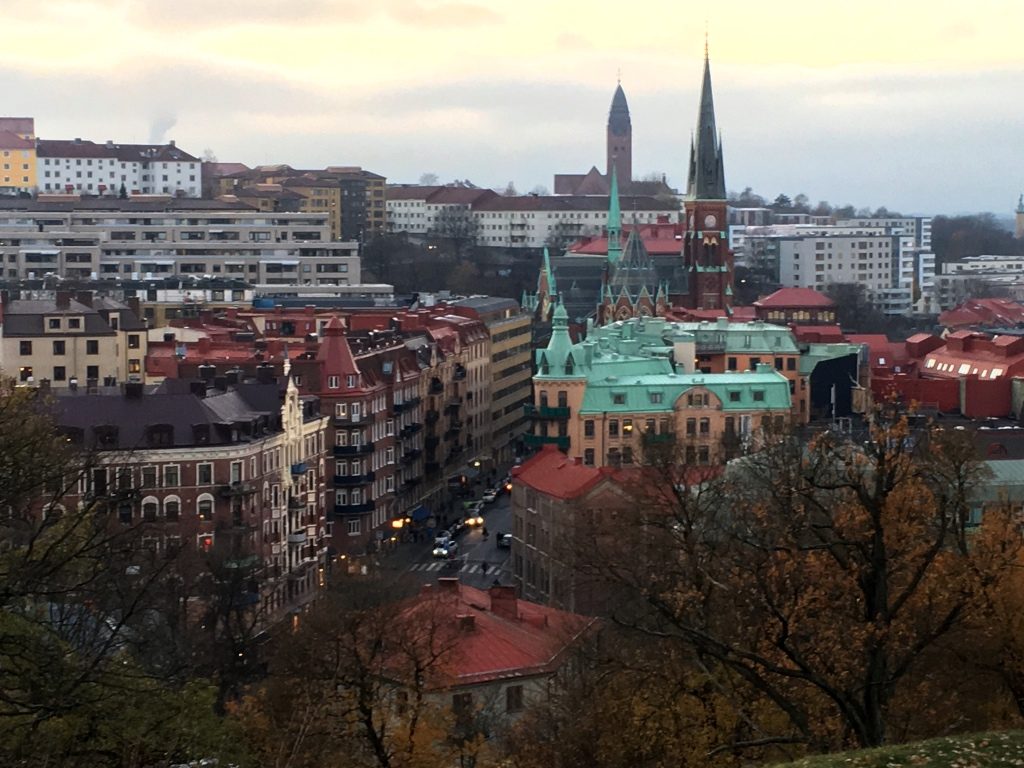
710,221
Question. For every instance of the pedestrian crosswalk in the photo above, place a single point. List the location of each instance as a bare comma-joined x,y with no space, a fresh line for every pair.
438,565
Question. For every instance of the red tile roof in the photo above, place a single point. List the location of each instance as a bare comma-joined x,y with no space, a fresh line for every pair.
498,635
553,473
18,124
795,297
981,312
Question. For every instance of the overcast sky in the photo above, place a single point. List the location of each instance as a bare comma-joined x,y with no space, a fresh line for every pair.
912,104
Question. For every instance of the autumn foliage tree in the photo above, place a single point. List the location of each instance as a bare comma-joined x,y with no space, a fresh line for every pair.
819,578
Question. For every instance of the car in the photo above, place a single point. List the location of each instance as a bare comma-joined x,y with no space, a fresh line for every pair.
490,496
458,527
475,509
504,540
445,548
474,521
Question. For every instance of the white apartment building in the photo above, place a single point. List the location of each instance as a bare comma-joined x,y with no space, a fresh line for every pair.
985,263
84,167
124,239
526,221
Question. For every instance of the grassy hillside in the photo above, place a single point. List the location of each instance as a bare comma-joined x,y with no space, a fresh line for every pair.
978,750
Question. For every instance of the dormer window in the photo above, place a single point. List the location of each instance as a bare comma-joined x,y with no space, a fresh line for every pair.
333,382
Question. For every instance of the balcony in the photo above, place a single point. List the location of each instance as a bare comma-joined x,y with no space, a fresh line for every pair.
299,469
297,538
436,387
406,405
410,429
460,373
546,412
296,502
536,441
432,416
410,456
237,489
353,420
344,481
710,347
353,509
353,450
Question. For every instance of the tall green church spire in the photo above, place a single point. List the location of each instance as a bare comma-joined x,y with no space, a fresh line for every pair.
614,222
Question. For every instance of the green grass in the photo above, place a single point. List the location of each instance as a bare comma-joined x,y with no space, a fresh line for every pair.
977,750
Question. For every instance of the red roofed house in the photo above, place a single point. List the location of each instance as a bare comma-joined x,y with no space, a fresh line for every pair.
796,306
498,654
983,313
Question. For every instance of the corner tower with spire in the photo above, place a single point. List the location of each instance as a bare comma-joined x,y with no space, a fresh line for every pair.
706,254
620,137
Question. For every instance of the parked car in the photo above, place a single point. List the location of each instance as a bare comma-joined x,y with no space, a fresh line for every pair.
474,521
457,528
490,496
504,540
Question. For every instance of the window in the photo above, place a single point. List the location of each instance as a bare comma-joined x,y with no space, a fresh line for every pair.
333,382
92,347
133,341
172,478
655,398
354,526
705,426
75,323
204,474
59,373
204,507
734,396
790,363
462,704
54,324
731,363
758,395
619,398
149,477
150,507
588,428
588,457
236,472
172,508
25,347
514,698
613,428
341,410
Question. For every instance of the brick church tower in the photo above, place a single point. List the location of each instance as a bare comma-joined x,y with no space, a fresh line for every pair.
620,137
707,258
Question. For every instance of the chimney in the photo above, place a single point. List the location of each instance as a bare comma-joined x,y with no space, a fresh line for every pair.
84,297
203,345
197,388
133,390
503,602
448,584
467,622
110,144
232,377
63,299
170,142
207,372
265,373
220,383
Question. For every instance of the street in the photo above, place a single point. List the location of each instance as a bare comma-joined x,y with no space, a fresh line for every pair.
478,562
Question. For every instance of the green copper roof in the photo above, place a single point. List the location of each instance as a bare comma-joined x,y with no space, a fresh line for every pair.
819,353
765,390
614,221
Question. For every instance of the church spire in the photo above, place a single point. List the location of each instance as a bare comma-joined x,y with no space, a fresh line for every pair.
619,136
614,222
707,169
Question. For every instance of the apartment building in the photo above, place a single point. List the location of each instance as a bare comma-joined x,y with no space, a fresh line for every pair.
17,155
227,469
511,344
71,340
353,197
85,167
527,221
118,239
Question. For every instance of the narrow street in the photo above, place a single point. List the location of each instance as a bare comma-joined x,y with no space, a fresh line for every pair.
478,562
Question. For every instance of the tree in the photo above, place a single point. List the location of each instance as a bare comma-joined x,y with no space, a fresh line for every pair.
77,587
540,190
456,226
854,309
801,203
819,583
352,687
428,180
464,279
123,193
782,203
822,209
954,237
510,190
209,156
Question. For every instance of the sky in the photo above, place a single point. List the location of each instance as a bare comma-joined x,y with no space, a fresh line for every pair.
916,105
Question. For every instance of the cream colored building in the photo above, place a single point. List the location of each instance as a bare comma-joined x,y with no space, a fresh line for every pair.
69,340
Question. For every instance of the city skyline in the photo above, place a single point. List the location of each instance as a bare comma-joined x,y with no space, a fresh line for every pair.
905,107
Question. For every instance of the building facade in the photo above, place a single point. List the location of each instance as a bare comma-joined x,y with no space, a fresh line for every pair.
74,340
118,239
230,469
84,167
17,156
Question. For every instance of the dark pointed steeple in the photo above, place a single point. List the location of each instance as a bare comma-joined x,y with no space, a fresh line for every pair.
619,137
618,116
707,169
